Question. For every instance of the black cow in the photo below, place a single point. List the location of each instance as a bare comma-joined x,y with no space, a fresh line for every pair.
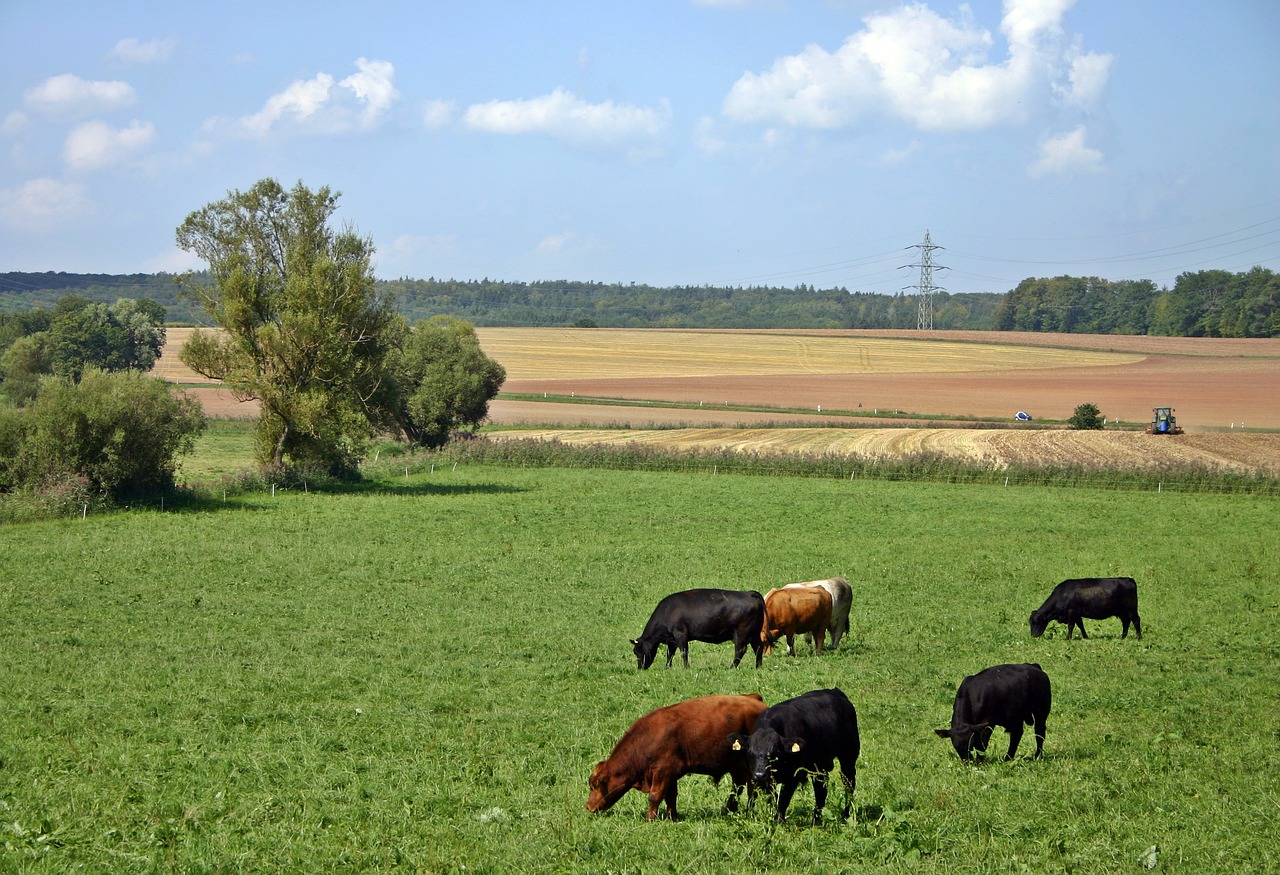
711,615
803,737
1003,695
1094,598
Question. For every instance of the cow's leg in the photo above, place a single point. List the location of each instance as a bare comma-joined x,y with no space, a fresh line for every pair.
849,775
739,649
785,793
817,641
684,651
1137,625
758,646
670,798
1080,624
1015,737
1041,721
735,790
791,644
671,652
819,781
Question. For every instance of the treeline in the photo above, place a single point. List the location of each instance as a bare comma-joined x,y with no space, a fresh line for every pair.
1208,303
1211,303
556,303
617,305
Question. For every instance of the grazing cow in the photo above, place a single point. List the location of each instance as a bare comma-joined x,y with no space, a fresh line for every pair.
803,737
681,739
841,601
1003,695
711,615
1093,598
792,610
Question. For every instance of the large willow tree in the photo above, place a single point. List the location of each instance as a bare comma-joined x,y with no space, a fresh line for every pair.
304,330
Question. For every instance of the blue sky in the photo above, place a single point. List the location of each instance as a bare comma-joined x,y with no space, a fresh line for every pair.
670,142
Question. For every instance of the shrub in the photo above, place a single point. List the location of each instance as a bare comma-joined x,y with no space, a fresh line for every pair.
1086,416
121,432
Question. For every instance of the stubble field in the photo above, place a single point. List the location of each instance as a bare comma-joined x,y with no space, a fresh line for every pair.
701,388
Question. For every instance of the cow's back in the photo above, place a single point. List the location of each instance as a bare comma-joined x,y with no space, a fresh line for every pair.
1002,694
826,719
689,736
798,607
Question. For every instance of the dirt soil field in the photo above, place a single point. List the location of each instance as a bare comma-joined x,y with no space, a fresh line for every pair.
1219,387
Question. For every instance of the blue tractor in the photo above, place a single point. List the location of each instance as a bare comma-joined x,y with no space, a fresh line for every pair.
1163,422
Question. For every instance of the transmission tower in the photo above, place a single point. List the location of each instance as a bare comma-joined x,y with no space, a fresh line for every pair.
925,287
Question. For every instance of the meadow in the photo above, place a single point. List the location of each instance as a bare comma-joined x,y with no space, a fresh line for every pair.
418,674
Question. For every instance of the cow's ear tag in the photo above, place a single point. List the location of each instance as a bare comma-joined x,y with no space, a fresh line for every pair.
737,745
795,747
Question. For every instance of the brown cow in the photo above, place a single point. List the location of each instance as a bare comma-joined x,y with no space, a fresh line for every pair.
794,610
687,738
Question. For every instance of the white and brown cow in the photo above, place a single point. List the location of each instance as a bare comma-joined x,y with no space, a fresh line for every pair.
841,601
794,610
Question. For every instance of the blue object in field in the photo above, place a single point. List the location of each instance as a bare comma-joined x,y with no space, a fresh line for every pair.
1022,416
1164,426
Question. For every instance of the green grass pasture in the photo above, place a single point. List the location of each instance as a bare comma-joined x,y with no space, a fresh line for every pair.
419,676
225,448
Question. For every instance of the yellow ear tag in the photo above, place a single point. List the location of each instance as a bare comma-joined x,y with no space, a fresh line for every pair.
795,748
737,745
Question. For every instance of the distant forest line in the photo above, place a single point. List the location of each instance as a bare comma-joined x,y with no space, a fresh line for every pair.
1209,303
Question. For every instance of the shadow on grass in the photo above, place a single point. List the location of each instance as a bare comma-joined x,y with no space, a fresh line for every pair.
208,498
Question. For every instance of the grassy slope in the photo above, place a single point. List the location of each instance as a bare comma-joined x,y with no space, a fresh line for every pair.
424,674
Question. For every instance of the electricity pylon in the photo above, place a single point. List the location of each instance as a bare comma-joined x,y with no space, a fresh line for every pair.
925,287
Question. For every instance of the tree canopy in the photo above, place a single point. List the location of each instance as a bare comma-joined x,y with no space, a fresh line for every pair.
306,332
442,381
77,334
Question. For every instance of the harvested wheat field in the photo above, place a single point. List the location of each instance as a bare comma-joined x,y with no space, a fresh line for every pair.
997,447
1220,388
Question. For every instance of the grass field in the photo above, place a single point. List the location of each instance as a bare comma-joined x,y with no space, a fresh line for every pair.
419,674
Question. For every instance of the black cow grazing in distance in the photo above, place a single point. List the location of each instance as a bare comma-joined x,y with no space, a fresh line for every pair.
1003,695
803,737
710,615
1092,598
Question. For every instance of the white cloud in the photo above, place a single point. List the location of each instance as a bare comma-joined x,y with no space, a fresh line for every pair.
315,105
1067,153
374,86
135,51
893,157
42,203
567,118
438,113
915,65
408,246
96,144
14,122
69,95
174,261
1087,77
556,242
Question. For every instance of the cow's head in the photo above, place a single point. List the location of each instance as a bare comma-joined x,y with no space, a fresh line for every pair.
770,754
1039,621
605,787
645,650
967,738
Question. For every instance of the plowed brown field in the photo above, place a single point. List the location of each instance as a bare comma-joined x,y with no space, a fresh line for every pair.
1219,386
